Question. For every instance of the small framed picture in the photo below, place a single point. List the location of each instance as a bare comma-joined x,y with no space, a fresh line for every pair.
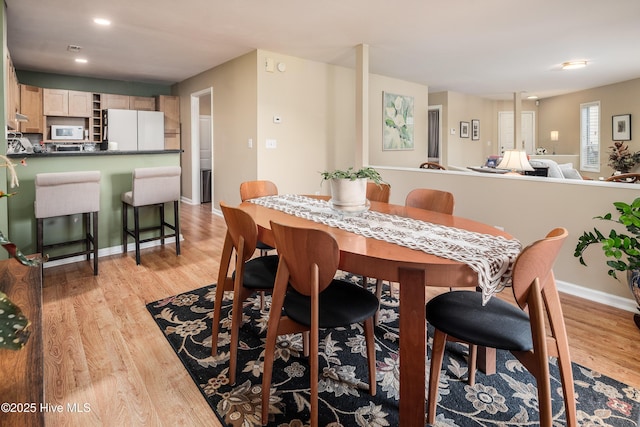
475,130
464,129
621,127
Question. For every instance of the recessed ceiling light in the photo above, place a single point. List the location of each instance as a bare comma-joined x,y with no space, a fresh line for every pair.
102,21
81,60
573,65
532,97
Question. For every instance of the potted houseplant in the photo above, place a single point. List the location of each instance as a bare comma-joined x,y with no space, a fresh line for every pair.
621,249
349,186
621,159
14,330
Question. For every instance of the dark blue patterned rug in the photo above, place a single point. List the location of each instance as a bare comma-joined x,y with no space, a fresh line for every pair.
508,398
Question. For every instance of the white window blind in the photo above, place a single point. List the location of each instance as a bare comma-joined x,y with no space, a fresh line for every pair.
590,137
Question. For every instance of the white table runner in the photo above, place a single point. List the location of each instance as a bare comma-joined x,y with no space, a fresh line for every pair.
492,257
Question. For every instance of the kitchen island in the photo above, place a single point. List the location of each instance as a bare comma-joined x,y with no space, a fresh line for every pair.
116,168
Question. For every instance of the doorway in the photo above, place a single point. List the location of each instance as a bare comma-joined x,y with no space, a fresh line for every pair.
202,152
506,138
434,135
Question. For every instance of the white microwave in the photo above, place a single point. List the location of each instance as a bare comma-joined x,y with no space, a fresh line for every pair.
67,132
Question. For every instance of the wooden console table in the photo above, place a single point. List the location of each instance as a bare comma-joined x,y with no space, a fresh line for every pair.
22,371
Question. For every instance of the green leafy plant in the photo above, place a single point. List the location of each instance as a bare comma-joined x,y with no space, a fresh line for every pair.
352,174
623,250
621,159
14,326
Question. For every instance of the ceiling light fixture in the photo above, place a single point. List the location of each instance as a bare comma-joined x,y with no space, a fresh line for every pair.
573,65
102,21
81,60
532,97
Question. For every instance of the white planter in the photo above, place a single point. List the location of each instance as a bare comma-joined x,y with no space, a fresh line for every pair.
348,193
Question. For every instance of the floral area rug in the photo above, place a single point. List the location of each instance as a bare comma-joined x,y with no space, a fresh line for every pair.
507,398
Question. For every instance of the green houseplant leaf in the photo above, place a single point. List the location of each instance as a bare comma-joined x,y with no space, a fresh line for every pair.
622,249
14,326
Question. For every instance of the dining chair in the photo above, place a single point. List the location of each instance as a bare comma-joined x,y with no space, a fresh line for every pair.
432,165
378,192
307,297
250,275
430,199
460,316
251,190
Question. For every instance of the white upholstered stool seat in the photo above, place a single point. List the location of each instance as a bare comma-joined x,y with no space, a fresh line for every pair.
69,193
152,187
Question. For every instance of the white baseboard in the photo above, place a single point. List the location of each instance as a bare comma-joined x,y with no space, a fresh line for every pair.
627,304
113,250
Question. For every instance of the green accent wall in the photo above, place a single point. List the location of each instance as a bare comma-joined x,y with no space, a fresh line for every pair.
116,179
88,84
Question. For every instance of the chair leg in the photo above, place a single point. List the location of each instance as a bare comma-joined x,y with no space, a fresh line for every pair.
125,226
379,296
162,222
136,232
86,222
313,346
240,294
176,224
437,354
95,243
473,361
371,354
40,235
224,284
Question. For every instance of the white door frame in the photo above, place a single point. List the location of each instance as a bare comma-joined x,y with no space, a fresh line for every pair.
195,145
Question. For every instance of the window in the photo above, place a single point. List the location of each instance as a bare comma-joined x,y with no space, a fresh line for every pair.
590,137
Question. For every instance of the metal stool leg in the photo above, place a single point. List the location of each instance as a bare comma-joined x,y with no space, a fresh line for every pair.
95,243
176,222
136,219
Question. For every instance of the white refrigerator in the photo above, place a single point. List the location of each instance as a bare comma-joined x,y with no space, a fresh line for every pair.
134,130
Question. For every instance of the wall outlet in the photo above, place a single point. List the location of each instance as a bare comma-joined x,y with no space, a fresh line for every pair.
277,119
250,143
271,143
453,131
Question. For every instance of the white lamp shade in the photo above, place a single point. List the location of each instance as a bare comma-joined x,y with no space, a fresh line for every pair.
515,160
554,135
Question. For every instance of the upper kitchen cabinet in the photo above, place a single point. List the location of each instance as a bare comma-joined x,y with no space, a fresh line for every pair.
144,103
13,95
170,106
66,103
110,100
31,106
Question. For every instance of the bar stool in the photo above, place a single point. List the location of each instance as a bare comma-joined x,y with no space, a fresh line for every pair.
69,193
152,187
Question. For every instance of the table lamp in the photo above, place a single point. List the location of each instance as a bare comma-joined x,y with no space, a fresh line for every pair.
554,138
516,161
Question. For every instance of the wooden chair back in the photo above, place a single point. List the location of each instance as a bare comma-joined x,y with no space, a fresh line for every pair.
253,189
432,200
432,165
624,177
378,192
241,229
305,250
536,261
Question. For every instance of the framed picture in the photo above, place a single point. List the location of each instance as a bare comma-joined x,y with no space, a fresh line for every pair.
475,130
397,127
621,127
464,129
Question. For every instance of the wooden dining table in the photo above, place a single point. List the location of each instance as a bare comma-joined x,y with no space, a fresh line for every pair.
412,269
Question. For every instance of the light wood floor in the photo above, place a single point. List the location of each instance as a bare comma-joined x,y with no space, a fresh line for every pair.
102,348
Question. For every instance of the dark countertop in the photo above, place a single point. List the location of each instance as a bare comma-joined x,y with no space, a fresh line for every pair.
57,154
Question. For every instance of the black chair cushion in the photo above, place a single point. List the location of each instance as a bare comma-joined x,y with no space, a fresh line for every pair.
260,272
497,324
341,304
264,247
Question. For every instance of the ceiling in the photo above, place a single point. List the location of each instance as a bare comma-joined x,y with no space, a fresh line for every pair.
489,48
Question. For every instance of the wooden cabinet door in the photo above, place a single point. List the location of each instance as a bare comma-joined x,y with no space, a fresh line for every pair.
31,106
80,104
55,102
109,100
171,141
170,105
144,103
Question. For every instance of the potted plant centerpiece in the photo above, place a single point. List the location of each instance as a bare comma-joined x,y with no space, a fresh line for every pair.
622,250
349,186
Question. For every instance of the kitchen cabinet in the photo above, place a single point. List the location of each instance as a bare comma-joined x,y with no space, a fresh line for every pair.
66,103
143,103
12,95
110,100
170,106
31,106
